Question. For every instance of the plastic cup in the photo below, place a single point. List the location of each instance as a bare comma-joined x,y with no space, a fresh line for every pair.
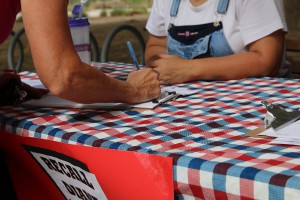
80,30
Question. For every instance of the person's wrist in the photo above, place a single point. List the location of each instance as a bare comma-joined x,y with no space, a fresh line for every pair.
130,93
133,96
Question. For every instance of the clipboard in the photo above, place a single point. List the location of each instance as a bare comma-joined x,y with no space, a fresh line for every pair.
255,133
276,118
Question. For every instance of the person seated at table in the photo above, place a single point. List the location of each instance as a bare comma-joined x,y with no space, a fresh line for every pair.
58,64
215,39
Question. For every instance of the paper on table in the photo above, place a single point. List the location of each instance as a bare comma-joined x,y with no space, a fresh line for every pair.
167,94
290,131
289,141
52,101
287,135
34,83
49,101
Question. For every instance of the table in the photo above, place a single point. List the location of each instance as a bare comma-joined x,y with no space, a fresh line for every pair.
203,133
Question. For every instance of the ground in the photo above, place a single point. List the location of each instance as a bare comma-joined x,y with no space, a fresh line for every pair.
100,27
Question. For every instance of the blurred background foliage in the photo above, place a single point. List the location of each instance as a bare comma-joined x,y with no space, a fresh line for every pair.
115,7
102,8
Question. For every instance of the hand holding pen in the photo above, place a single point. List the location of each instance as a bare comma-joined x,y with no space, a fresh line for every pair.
145,80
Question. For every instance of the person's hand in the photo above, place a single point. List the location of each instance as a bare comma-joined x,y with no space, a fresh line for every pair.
145,84
171,69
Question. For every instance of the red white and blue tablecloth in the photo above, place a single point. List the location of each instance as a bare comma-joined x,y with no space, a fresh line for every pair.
203,133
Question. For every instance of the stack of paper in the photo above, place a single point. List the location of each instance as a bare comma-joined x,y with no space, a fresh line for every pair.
287,135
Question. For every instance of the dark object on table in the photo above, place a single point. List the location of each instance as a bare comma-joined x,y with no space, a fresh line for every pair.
13,91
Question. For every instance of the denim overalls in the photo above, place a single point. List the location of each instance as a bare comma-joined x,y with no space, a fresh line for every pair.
198,41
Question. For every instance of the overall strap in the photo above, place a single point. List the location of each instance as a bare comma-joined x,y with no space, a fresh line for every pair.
222,6
174,8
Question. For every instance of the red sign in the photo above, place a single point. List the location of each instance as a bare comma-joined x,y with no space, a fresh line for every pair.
43,169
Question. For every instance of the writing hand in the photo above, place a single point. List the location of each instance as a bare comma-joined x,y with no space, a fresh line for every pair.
145,83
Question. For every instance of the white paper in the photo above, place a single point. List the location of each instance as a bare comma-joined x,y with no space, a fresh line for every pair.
287,135
167,93
289,141
49,101
36,83
179,90
87,184
269,132
290,131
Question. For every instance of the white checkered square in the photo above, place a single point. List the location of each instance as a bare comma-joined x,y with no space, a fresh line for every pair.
261,190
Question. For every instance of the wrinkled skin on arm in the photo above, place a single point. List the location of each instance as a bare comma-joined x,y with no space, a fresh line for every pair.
60,68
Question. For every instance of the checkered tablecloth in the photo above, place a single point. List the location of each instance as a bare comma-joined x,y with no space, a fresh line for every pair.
203,133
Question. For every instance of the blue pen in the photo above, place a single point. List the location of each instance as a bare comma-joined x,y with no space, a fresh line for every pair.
132,53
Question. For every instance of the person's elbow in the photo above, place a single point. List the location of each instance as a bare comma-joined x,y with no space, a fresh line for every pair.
62,86
271,62
269,51
270,67
64,81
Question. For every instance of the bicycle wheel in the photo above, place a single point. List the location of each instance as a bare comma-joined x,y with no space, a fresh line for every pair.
111,36
16,42
95,53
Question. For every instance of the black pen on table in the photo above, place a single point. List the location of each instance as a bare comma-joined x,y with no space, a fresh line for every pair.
132,53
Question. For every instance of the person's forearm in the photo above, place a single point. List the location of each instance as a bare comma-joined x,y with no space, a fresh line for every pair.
60,69
262,59
155,46
248,64
221,68
152,53
89,85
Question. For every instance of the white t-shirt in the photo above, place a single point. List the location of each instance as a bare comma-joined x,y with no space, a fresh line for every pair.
244,22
